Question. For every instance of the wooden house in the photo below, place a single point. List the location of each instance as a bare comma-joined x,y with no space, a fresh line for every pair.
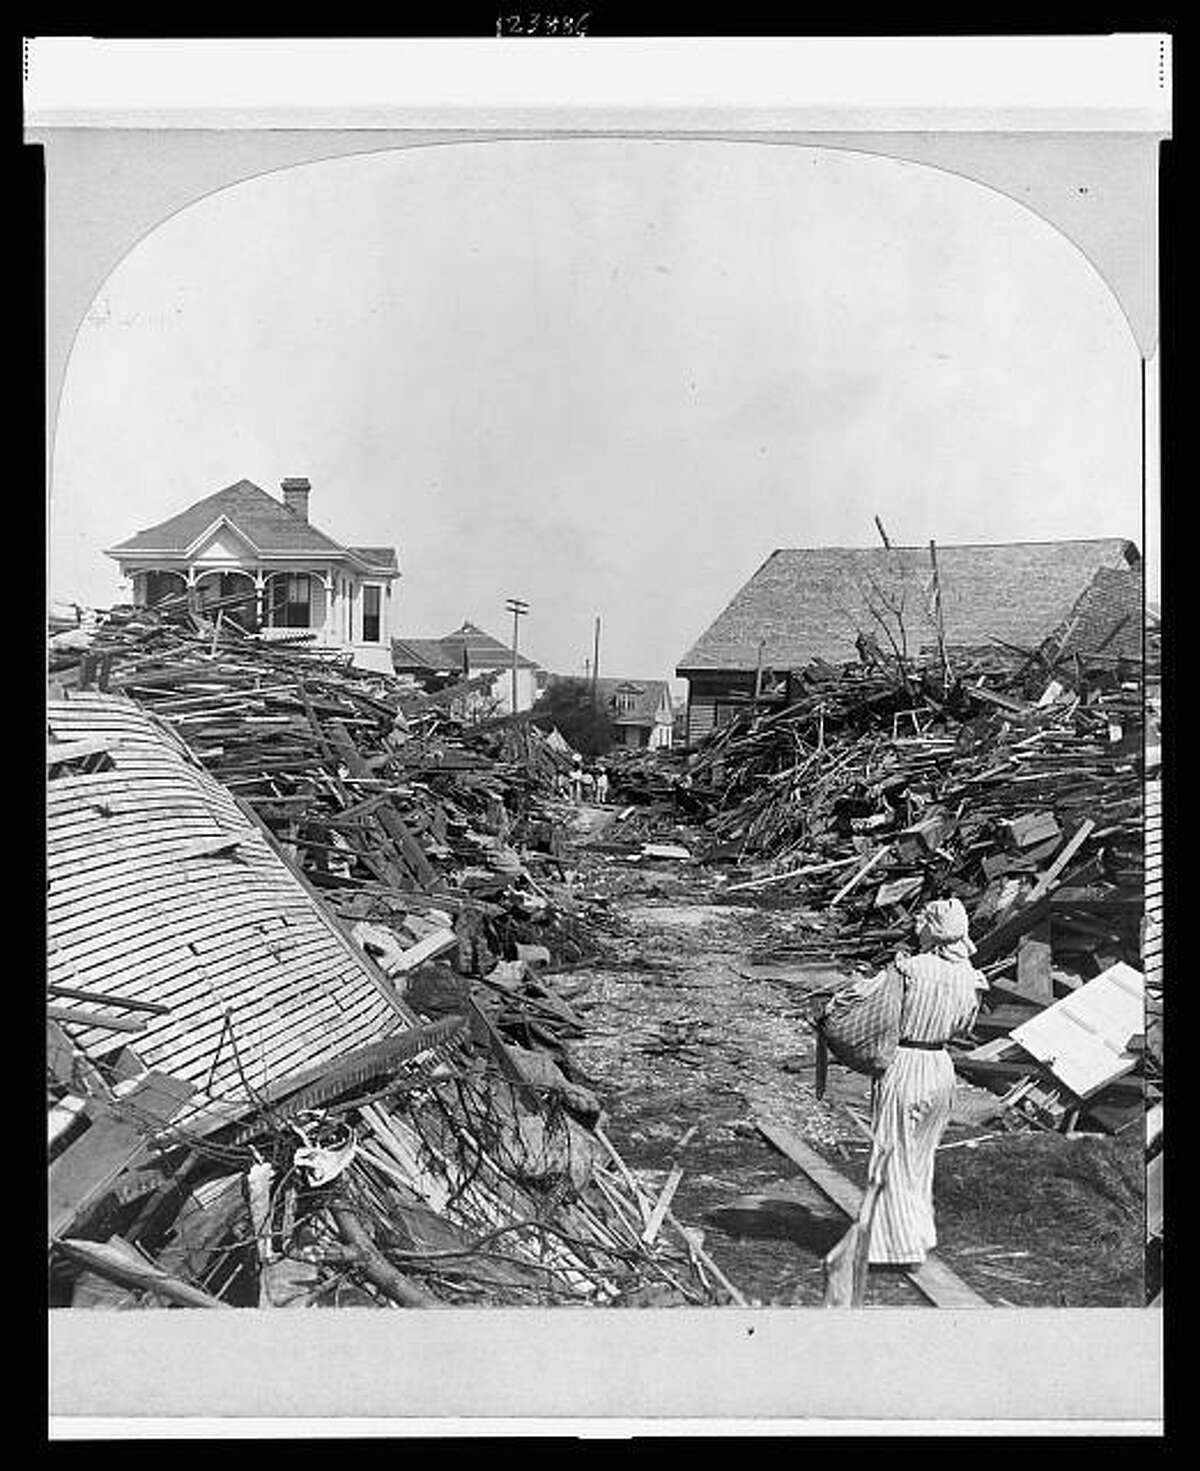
838,603
265,566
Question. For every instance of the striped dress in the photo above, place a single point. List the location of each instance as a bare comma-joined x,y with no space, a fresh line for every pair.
911,1104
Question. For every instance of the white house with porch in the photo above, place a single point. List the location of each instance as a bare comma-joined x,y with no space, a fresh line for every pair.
265,566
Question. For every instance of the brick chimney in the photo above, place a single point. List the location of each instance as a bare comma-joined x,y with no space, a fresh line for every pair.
295,496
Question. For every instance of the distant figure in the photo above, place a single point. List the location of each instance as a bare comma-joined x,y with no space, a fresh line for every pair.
589,785
602,787
577,780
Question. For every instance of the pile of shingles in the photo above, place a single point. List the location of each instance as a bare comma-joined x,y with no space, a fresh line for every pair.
456,1157
1020,791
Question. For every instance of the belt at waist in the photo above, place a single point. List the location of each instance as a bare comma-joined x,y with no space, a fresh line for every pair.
922,1046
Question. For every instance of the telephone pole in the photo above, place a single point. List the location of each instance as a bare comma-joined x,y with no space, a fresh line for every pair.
939,615
518,609
596,659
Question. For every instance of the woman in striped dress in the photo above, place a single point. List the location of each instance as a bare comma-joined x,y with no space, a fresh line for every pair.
912,1100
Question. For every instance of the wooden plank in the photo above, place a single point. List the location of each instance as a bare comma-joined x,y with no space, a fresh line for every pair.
1082,1038
933,1278
1076,841
429,948
60,751
123,1002
1034,967
661,1206
84,1170
1003,938
1154,1125
70,1016
859,874
1154,1196
123,1263
847,1264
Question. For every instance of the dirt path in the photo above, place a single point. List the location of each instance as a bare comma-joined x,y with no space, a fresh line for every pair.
684,1031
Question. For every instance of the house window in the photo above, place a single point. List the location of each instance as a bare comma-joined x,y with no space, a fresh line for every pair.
291,600
371,618
626,701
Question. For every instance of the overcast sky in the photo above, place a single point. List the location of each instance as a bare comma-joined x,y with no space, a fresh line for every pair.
607,376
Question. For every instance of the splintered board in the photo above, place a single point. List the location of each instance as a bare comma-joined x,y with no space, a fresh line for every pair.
933,1278
1084,1038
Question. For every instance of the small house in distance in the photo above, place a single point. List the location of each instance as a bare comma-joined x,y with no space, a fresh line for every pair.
640,709
818,602
466,654
264,565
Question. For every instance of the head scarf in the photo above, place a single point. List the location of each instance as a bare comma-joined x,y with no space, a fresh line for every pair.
942,927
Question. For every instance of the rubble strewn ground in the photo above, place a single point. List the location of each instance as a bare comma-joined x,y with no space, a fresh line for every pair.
590,1013
682,1031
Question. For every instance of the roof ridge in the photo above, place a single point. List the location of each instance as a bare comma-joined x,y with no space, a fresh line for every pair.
266,522
1050,541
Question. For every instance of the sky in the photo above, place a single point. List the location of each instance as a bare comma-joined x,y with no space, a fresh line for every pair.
606,376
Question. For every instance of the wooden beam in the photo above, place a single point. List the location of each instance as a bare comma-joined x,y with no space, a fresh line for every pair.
1047,880
932,1278
71,1017
117,1140
120,1262
410,851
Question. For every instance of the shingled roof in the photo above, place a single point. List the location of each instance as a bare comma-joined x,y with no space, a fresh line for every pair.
1108,617
812,602
267,523
441,655
433,654
381,557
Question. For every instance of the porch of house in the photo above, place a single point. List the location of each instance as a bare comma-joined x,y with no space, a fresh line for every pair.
335,611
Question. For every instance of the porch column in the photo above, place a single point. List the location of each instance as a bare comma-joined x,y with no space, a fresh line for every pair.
329,583
260,583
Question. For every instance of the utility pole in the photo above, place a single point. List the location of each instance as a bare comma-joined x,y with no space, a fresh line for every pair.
596,659
518,609
883,534
758,673
937,608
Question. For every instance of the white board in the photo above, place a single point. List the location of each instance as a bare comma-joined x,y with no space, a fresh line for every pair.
1083,1038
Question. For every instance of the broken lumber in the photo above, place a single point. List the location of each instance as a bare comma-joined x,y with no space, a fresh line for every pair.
658,1214
120,1262
846,1265
932,1278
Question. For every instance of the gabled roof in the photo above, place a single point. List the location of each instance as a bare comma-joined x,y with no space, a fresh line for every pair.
485,651
269,525
648,697
441,655
431,654
812,602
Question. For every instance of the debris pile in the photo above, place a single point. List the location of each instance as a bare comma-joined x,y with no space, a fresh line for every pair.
305,1045
871,793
